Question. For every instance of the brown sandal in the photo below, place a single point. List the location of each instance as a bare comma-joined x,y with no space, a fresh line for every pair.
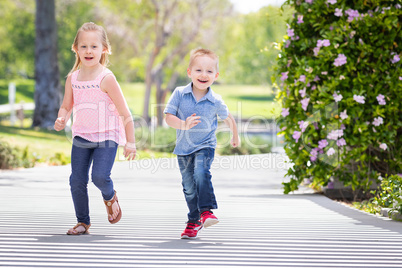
74,232
109,209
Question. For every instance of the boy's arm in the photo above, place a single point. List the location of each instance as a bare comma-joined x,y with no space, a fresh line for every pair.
233,128
175,122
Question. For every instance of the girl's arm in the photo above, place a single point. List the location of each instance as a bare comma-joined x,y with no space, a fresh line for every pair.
175,122
112,88
66,106
233,128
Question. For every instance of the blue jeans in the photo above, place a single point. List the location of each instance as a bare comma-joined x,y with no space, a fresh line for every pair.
101,155
196,181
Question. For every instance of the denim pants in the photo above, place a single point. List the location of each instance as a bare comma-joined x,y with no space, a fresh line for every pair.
196,181
101,155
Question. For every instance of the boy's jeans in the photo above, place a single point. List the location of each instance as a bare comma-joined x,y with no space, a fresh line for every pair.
196,181
83,153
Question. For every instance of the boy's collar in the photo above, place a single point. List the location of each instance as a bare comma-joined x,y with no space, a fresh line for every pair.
209,96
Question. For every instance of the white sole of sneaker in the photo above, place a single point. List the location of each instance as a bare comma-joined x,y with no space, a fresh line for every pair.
187,237
210,222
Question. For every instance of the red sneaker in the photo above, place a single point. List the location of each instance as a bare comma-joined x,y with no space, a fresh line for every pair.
208,218
191,230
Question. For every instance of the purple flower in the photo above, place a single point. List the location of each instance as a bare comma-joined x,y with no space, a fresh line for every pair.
378,121
330,151
341,142
332,2
335,134
395,59
316,78
303,125
304,103
343,115
285,112
296,135
300,19
359,99
287,44
284,76
381,99
326,43
337,97
338,12
323,43
302,78
291,32
316,50
383,146
340,60
302,92
314,154
322,144
309,1
352,14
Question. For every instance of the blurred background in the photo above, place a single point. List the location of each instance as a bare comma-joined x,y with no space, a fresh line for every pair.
151,41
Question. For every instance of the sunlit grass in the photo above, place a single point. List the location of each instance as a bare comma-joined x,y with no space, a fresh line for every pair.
245,101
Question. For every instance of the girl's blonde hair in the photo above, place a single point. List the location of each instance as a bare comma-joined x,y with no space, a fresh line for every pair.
87,27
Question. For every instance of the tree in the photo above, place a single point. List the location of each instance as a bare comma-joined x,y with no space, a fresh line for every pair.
47,87
341,88
160,34
17,38
177,23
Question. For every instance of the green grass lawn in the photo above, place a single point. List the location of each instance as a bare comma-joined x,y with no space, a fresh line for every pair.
246,101
242,100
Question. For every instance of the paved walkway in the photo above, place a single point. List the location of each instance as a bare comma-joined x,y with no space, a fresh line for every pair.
260,227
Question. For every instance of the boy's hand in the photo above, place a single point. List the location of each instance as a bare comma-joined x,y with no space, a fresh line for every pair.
130,151
60,123
235,141
191,121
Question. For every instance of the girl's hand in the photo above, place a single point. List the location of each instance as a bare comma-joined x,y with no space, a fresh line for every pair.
130,151
191,121
235,141
60,123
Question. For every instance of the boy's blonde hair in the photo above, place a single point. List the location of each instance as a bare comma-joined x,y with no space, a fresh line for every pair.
203,52
87,27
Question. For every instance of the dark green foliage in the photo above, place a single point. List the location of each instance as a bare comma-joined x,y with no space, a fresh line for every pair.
8,156
364,139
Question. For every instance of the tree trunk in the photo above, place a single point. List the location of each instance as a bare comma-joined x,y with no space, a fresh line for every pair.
47,86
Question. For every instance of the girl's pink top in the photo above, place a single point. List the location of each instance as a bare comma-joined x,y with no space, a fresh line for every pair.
95,117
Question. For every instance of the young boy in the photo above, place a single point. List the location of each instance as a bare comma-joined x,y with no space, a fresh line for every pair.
192,110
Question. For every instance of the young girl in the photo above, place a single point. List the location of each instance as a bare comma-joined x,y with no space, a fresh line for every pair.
101,122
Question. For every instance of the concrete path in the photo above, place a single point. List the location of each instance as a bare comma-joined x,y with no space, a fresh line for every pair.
259,226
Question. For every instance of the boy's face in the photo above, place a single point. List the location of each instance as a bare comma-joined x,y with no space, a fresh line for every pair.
203,72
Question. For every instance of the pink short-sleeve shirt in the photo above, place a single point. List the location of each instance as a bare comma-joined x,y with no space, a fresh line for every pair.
95,117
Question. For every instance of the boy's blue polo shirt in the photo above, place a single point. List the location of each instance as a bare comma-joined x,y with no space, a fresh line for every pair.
183,104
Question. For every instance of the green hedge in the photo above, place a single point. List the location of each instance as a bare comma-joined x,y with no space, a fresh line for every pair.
339,77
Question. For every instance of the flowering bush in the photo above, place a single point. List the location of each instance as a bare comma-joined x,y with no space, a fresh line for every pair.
340,85
390,195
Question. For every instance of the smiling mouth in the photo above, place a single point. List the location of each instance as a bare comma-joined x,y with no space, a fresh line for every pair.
201,81
89,58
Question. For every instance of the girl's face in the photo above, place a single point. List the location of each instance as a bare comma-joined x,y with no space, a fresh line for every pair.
203,72
90,48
